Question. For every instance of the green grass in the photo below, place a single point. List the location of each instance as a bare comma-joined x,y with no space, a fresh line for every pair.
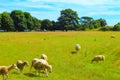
58,46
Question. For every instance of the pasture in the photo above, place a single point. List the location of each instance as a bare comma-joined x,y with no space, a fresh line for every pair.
60,49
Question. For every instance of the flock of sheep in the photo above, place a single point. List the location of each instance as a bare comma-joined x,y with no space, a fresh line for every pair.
38,64
96,58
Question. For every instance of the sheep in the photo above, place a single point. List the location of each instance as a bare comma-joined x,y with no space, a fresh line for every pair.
5,69
33,62
41,64
43,56
98,58
20,64
112,36
77,47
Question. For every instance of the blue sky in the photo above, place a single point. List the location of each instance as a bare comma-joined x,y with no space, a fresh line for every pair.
50,9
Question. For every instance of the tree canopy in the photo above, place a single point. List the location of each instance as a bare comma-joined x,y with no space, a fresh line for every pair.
29,21
68,19
116,27
18,20
46,24
7,22
0,21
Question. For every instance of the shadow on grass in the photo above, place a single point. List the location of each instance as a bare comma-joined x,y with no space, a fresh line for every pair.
15,73
30,75
73,52
34,75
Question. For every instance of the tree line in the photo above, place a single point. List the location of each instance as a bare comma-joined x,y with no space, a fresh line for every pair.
18,20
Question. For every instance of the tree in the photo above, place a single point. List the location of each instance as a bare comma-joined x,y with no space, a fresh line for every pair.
86,20
96,23
68,19
102,22
116,27
19,20
29,20
53,27
86,23
7,22
36,23
0,21
46,24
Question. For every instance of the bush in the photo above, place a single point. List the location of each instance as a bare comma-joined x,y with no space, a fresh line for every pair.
107,28
116,27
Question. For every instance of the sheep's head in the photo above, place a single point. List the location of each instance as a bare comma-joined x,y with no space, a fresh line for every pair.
43,56
14,66
26,63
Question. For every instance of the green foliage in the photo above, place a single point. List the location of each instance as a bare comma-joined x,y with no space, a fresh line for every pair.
46,24
36,23
107,28
116,27
7,22
89,23
68,19
96,23
86,20
29,20
19,20
102,22
0,21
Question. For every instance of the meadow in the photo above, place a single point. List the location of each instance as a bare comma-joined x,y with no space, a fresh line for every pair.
59,47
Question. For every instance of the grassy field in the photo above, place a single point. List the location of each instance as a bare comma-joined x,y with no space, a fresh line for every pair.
58,46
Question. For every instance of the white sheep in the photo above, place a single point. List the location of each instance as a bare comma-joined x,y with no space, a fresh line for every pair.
112,36
77,47
20,64
5,69
98,58
43,56
41,64
33,62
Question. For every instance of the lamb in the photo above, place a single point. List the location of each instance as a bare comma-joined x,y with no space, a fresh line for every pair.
5,69
43,56
41,64
20,64
98,58
77,47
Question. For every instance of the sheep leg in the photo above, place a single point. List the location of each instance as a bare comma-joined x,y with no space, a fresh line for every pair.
39,72
36,72
3,77
21,70
46,72
31,68
6,76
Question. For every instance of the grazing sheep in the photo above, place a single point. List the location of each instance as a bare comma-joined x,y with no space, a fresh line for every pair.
43,56
112,36
5,69
98,58
41,64
20,64
77,47
33,62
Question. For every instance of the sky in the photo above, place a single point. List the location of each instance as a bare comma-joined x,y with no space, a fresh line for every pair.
50,9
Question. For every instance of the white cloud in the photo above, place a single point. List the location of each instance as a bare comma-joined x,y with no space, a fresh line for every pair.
81,2
104,13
